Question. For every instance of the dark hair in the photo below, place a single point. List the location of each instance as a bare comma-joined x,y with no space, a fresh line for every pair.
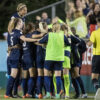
95,5
29,27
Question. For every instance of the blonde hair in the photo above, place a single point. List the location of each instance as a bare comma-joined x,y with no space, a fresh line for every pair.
56,27
20,6
78,13
12,24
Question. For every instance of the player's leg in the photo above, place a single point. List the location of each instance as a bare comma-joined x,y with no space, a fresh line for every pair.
66,81
24,82
31,81
95,75
48,66
40,81
78,78
57,70
11,81
75,84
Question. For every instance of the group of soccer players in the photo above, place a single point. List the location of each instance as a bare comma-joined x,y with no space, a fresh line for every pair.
41,56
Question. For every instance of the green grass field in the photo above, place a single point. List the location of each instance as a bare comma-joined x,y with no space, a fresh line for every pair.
2,92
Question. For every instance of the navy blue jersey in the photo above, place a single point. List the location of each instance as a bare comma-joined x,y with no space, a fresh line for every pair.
8,39
27,46
45,40
40,49
17,16
15,37
40,54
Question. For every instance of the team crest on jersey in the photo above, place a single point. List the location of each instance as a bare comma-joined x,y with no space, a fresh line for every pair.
21,33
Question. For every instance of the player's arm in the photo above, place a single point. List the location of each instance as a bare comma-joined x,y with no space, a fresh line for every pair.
10,25
92,39
23,38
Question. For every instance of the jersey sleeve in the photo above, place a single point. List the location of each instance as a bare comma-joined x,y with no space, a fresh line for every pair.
66,41
19,34
44,39
75,39
92,37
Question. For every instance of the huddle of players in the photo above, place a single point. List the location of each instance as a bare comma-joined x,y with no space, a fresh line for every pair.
45,56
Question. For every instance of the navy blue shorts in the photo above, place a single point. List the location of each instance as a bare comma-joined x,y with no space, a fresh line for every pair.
96,64
53,65
40,61
14,58
27,61
8,66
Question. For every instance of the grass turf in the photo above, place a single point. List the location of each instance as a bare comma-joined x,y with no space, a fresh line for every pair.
2,92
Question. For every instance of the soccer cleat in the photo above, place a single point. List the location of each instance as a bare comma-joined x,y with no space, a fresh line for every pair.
40,96
6,96
66,97
47,96
97,95
84,96
28,96
76,96
24,97
57,96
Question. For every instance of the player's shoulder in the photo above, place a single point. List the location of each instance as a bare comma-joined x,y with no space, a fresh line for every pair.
15,15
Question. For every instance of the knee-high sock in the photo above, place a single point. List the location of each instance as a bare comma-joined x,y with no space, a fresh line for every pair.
24,86
39,84
54,82
66,84
81,84
76,87
96,83
30,85
10,85
51,85
58,83
16,84
47,83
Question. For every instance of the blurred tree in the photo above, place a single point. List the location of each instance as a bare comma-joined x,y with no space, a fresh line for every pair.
8,7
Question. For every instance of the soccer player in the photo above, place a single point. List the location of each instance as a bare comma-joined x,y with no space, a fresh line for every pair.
66,63
21,12
76,62
40,58
95,40
54,57
15,52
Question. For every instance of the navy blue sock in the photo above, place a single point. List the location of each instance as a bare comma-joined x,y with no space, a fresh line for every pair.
39,84
51,85
95,83
47,83
10,84
16,84
81,84
24,86
62,86
58,82
76,87
30,85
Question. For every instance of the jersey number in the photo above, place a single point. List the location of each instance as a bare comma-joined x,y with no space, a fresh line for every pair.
24,44
12,40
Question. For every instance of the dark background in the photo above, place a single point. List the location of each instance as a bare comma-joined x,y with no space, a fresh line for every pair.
8,7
